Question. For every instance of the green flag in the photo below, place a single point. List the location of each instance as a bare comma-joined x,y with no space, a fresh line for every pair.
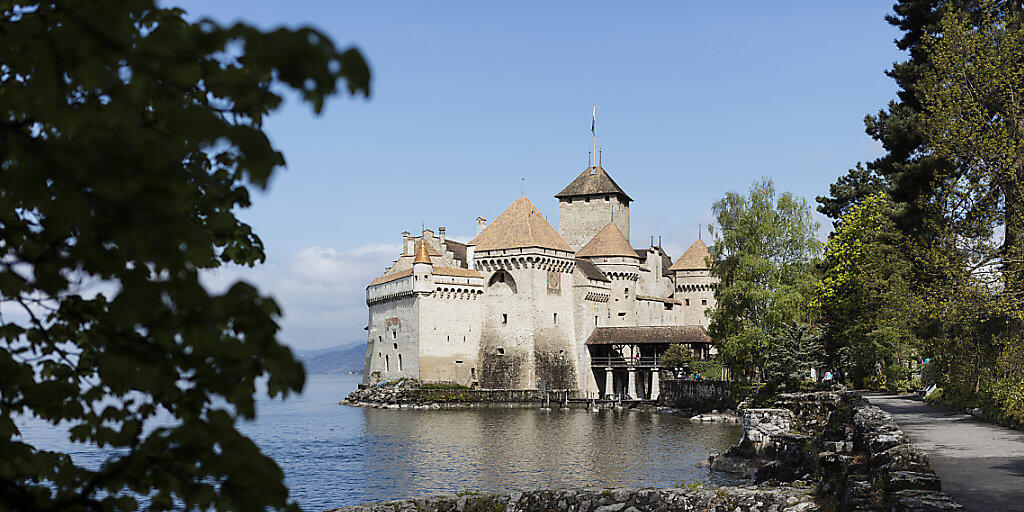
593,122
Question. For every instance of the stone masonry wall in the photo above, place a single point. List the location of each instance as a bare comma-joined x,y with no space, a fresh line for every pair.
860,456
722,499
696,395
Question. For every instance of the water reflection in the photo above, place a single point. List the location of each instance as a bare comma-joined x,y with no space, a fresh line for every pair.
334,455
427,452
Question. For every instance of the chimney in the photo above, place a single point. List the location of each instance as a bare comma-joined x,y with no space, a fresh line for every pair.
428,236
406,243
440,237
481,223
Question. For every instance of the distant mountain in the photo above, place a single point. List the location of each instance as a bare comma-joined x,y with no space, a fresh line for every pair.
340,359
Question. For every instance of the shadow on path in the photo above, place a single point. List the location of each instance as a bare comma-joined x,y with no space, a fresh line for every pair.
981,465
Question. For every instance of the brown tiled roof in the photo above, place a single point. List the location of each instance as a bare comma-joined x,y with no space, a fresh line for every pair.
590,270
607,242
456,272
693,258
458,249
422,255
641,335
659,299
519,226
592,181
391,276
666,262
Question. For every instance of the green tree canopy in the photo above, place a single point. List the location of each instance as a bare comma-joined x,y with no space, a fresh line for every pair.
129,140
677,355
865,297
764,251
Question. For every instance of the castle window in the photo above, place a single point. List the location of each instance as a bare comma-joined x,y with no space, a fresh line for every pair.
380,339
703,302
687,302
588,199
396,346
472,371
595,320
501,351
554,318
606,199
399,362
387,363
627,293
504,318
394,334
458,361
622,313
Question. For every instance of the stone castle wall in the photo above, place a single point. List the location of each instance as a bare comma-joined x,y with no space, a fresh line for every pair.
579,219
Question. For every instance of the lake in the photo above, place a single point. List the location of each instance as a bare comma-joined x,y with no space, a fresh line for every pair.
334,455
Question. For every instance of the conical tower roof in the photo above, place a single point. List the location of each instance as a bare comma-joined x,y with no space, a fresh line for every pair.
695,258
592,181
520,225
608,242
422,256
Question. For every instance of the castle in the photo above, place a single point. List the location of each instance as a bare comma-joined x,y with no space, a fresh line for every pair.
523,306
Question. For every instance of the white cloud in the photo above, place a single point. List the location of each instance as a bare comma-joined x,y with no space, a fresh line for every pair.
321,290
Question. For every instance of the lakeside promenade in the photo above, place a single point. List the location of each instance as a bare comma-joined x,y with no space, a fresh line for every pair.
980,464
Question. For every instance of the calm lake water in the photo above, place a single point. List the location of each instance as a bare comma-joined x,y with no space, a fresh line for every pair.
334,455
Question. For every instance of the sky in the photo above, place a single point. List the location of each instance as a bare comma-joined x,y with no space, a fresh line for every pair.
693,99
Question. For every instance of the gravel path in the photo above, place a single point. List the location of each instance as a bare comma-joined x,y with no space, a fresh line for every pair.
981,465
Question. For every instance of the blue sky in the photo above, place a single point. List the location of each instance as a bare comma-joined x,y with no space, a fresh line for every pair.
693,99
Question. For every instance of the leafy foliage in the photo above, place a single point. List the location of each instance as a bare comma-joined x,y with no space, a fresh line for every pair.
677,355
129,140
865,297
974,119
764,253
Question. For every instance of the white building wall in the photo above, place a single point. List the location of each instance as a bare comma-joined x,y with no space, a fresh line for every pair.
392,343
695,289
450,319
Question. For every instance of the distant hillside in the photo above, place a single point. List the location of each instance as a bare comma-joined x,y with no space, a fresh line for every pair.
340,359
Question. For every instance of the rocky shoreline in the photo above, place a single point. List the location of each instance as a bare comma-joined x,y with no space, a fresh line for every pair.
790,498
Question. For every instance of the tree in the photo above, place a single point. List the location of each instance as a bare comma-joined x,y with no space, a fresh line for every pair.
793,351
130,137
677,355
865,298
763,255
974,120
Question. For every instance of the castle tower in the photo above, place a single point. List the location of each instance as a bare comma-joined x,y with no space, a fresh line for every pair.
693,283
527,332
611,252
588,204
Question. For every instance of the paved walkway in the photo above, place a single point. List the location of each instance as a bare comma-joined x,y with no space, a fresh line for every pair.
981,465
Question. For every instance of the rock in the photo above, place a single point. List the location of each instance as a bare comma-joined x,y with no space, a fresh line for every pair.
611,508
904,480
923,501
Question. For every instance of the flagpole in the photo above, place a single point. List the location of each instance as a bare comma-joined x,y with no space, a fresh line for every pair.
593,128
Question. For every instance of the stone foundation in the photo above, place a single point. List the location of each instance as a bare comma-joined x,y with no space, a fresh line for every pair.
731,499
861,458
